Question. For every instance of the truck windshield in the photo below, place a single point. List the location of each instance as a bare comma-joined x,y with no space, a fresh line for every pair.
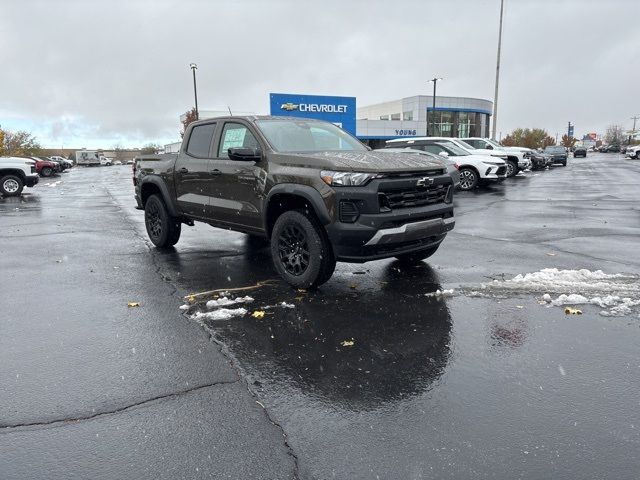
307,136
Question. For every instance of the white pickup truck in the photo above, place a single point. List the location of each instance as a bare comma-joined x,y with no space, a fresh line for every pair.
15,174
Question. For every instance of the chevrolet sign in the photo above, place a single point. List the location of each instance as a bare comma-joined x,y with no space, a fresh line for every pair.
315,107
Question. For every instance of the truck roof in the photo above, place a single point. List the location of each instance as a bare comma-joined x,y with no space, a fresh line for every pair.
253,118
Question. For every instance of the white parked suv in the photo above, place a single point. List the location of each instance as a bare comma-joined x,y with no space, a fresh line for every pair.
517,157
633,152
474,169
15,174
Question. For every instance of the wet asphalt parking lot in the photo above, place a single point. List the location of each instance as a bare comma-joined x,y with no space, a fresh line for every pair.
450,369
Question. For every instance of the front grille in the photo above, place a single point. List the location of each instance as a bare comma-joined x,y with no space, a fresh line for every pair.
33,169
412,197
501,170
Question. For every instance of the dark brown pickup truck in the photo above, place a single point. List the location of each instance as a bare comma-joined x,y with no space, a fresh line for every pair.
314,191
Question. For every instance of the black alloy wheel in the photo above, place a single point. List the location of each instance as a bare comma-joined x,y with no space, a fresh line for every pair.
301,251
293,247
163,229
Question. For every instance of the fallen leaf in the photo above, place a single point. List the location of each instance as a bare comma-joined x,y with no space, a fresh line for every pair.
572,311
191,298
133,304
302,290
258,314
347,343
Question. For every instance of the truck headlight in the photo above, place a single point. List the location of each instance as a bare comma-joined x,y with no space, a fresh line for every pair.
346,179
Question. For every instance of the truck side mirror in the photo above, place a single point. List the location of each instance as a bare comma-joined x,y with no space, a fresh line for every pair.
244,153
444,154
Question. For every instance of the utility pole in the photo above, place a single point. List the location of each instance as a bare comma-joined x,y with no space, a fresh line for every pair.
633,134
495,95
433,110
194,67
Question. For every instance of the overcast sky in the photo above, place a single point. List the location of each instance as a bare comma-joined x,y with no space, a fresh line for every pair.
84,73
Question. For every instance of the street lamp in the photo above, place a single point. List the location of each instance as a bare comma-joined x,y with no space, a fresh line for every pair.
433,111
194,67
495,95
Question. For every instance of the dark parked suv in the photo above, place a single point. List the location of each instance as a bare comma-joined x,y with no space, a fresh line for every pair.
558,154
313,190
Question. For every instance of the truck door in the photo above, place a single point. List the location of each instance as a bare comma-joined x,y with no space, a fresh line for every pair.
240,189
193,174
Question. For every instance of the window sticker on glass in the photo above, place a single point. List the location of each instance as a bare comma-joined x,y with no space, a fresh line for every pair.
233,137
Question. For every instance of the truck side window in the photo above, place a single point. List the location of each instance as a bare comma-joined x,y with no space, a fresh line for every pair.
200,140
235,135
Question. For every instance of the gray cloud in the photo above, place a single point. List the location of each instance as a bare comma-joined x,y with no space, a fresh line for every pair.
117,71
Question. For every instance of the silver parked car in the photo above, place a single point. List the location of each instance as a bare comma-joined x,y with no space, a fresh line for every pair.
452,166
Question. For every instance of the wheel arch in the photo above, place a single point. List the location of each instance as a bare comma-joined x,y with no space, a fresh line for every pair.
284,197
155,185
11,171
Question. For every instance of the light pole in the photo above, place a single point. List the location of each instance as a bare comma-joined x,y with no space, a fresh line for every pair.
495,95
194,67
433,110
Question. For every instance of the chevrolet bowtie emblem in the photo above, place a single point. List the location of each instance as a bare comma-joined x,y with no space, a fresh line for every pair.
289,106
424,182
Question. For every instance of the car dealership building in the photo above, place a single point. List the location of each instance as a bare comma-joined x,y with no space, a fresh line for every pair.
406,117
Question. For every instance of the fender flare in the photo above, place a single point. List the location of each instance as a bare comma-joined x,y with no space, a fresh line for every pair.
164,191
308,193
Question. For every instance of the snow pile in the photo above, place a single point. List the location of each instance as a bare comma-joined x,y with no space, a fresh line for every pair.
225,301
616,294
220,314
54,184
440,293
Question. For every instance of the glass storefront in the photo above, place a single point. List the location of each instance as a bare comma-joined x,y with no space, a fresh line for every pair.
457,124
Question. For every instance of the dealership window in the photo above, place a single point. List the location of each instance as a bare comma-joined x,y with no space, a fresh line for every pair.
384,117
444,121
407,115
395,116
467,124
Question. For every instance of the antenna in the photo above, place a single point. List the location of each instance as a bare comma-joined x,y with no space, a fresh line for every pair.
229,108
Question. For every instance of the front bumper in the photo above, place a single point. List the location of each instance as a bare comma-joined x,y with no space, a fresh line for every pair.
524,164
384,235
31,180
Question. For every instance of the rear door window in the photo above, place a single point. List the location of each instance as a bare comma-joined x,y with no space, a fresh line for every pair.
200,140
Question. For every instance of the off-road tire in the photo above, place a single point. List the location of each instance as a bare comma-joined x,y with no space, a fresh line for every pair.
163,229
512,168
468,179
301,251
46,172
417,257
11,186
638,155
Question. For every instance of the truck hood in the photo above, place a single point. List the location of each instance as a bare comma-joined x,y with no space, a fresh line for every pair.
366,161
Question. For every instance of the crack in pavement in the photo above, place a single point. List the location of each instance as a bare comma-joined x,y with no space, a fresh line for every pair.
221,346
12,428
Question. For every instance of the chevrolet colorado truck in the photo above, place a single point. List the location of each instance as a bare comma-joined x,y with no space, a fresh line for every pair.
317,194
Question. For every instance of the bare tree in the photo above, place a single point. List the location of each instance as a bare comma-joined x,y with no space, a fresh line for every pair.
614,135
150,149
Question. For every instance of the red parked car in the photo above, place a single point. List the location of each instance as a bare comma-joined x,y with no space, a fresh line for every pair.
45,168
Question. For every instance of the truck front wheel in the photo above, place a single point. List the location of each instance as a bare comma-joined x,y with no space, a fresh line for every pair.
163,229
301,250
11,186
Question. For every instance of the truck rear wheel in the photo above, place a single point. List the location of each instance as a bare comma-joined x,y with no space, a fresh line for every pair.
301,250
47,171
11,186
413,258
163,229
